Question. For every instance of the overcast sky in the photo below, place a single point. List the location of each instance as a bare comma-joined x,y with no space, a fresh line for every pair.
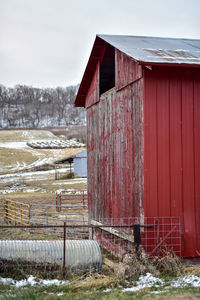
46,43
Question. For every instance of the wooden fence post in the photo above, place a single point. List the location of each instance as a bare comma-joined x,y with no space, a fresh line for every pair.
64,246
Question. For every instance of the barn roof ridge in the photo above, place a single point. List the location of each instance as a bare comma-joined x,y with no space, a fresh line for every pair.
101,35
144,50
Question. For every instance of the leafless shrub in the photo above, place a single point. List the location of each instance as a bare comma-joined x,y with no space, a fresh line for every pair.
136,263
168,264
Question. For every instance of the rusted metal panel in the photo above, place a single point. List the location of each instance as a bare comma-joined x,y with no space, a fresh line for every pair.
172,147
155,49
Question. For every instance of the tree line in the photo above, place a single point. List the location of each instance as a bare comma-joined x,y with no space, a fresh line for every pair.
29,107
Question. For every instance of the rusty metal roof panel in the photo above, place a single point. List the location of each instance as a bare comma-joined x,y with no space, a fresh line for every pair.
157,50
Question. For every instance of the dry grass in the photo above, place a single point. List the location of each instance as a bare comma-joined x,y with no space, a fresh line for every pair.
25,135
10,157
192,269
94,281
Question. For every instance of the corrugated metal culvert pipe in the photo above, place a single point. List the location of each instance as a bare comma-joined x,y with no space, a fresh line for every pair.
79,254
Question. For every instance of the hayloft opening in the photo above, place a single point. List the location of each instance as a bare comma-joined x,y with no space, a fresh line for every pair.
107,70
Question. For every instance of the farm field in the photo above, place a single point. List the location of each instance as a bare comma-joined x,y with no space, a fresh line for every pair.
27,175
24,169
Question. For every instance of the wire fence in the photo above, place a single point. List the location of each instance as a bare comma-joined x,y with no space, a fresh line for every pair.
154,234
118,236
115,234
69,210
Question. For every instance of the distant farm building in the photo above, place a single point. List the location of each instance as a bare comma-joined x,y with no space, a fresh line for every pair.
142,96
80,163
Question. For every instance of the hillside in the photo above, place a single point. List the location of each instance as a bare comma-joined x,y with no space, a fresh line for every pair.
29,107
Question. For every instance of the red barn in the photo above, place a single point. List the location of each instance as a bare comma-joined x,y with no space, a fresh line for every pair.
142,96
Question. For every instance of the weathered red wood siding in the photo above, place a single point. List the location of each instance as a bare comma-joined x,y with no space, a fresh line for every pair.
93,92
172,149
115,146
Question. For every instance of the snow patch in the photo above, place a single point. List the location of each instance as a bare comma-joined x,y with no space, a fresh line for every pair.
188,280
145,281
69,192
107,291
31,281
75,181
14,145
28,176
148,281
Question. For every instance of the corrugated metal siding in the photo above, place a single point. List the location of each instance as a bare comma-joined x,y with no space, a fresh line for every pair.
115,148
80,166
172,149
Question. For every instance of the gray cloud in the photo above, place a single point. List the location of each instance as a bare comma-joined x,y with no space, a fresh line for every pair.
48,42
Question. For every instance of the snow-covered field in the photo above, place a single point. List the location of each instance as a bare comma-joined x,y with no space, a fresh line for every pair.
34,176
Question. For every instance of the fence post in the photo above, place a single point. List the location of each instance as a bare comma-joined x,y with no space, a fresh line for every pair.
15,211
64,246
92,233
47,214
60,202
6,210
56,201
21,212
137,236
29,214
83,198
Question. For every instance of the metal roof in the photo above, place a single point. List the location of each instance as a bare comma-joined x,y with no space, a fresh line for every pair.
155,49
70,159
144,50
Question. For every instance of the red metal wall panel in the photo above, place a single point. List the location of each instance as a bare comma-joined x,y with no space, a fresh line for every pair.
163,155
175,159
150,146
197,157
172,150
188,162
